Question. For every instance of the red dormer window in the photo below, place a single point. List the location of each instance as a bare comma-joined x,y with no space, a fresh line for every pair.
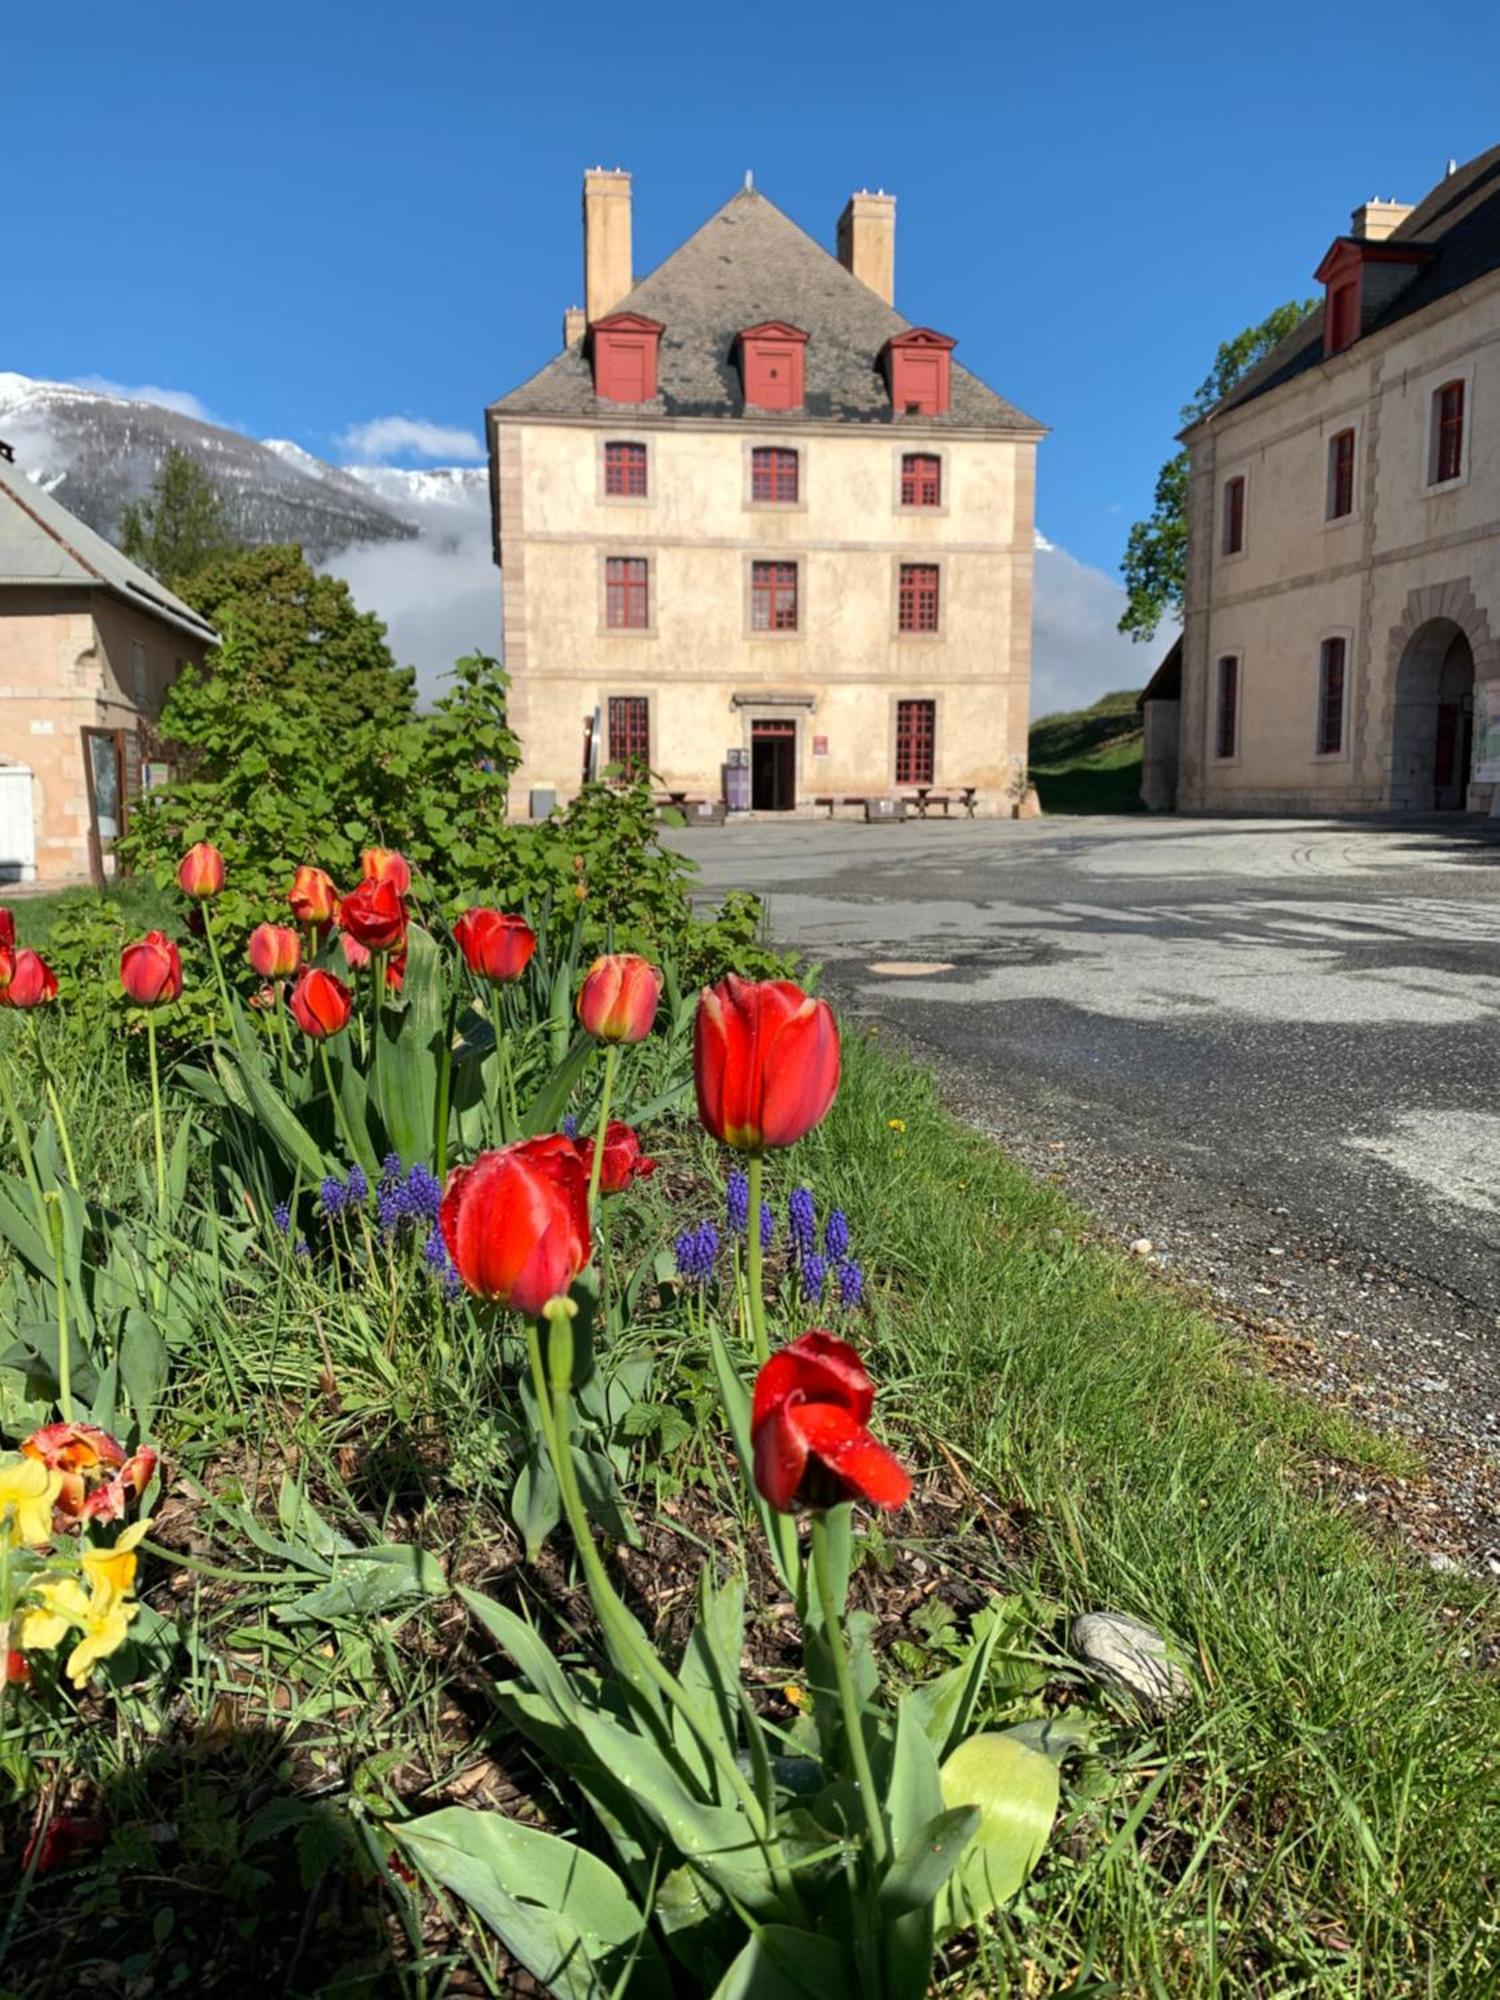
1360,276
772,370
624,347
917,372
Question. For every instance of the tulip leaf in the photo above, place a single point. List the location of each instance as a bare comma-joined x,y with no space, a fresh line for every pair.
561,1911
405,1076
286,1131
780,1963
1016,1790
143,1364
535,1504
913,1805
544,1113
919,1871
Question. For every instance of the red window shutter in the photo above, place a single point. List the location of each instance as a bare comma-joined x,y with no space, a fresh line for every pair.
772,365
627,594
921,480
773,597
774,474
630,734
917,598
624,348
1341,475
625,471
916,731
1331,699
1227,720
1450,431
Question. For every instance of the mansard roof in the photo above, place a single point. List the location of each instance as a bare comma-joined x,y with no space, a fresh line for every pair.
1456,226
748,265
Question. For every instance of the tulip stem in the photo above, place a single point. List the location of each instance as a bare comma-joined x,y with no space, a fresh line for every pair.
218,965
161,1152
444,1091
634,1654
859,1755
755,1261
57,1232
53,1099
340,1122
601,1131
377,994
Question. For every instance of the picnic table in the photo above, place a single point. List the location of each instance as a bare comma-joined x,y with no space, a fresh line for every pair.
928,796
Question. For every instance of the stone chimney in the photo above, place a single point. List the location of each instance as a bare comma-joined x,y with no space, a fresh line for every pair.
575,325
1374,220
606,240
867,241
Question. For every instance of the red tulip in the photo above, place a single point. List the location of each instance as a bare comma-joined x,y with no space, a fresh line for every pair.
320,1004
495,946
274,950
151,971
110,1501
355,955
62,1841
312,897
374,915
808,1427
516,1223
624,1162
765,1060
32,982
76,1451
384,864
16,1669
7,971
7,929
617,1001
200,872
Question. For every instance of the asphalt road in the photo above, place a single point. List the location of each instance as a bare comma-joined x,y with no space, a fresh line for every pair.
1296,1021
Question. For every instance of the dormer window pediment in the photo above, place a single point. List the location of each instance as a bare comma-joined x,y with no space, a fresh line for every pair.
623,351
772,360
917,372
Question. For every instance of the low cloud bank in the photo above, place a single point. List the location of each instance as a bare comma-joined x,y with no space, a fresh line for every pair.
1077,654
385,438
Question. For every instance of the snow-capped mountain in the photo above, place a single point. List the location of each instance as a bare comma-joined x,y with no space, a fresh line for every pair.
97,452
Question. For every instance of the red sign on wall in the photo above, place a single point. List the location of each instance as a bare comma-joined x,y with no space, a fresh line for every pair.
820,746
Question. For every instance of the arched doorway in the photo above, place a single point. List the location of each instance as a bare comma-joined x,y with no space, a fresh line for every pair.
1432,746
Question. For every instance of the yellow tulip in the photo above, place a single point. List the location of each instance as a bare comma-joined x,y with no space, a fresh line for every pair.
114,1568
63,1605
28,1493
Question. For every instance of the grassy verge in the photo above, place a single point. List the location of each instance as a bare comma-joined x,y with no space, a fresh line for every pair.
1089,761
143,907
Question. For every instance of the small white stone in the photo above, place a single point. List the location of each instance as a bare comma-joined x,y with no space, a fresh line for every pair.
1141,1247
1441,1563
1133,1656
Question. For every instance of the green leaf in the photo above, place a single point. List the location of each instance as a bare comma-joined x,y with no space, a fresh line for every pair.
286,1131
1016,1790
143,1364
562,1912
913,1804
544,1113
945,1705
922,1867
405,1078
780,1963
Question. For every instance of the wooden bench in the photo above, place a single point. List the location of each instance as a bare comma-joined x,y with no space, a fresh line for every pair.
825,800
925,798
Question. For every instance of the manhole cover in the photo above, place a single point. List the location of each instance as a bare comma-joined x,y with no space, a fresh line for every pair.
909,968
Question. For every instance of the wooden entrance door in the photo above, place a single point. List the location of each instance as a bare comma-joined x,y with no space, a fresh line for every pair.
773,765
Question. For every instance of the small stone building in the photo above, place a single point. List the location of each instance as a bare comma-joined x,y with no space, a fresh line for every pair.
89,644
760,534
1341,641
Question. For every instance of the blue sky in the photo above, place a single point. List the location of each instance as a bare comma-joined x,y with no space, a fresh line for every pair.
313,216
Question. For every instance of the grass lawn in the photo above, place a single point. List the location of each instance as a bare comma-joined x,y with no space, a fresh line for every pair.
142,908
1089,761
1318,1820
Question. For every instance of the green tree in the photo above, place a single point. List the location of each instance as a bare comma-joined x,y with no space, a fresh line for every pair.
180,524
1155,561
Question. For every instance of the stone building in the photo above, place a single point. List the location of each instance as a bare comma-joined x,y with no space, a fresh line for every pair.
751,516
89,644
1341,644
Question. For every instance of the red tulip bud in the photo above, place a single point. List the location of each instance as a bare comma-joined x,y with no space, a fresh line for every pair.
765,1061
374,915
200,872
32,982
151,971
516,1223
495,946
808,1428
320,1004
312,897
624,1162
617,1001
274,950
7,929
384,864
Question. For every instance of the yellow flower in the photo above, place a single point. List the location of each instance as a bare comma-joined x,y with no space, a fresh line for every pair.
102,1615
107,1629
28,1493
114,1568
896,1124
63,1604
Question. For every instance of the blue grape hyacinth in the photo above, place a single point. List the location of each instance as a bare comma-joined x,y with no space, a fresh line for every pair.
737,1203
697,1252
802,1223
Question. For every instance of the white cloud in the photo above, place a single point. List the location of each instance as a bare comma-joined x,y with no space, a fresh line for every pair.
384,438
183,401
1077,654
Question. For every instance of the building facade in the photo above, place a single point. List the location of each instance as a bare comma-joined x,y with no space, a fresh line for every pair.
89,644
751,516
1341,635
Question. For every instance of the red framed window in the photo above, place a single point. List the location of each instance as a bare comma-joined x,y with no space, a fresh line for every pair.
627,593
1342,315
921,479
625,471
1340,475
916,732
774,474
918,597
1227,718
1331,698
1234,515
773,597
630,734
1448,432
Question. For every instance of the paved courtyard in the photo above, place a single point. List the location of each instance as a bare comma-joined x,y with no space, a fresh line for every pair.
1282,1034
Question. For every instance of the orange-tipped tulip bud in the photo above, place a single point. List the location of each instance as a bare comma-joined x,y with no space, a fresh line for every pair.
617,1001
765,1061
200,872
32,982
320,1004
495,946
384,864
374,915
151,971
516,1223
274,950
312,897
